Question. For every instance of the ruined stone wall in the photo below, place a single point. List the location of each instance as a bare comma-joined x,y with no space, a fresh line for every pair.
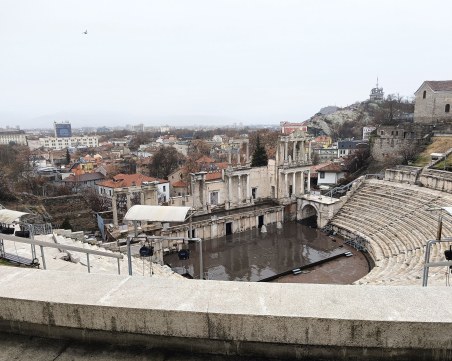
436,179
391,140
402,174
216,225
262,179
74,208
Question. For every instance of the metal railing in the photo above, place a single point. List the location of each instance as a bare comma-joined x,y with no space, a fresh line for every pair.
161,239
43,244
428,264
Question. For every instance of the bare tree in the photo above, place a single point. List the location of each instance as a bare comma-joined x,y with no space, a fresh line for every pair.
409,152
166,160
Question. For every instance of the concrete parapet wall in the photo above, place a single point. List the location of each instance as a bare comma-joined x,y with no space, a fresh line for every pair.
275,320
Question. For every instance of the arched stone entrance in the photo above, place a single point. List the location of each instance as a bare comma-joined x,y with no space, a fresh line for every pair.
309,215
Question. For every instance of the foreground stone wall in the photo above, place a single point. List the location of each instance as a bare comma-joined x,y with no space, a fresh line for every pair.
271,320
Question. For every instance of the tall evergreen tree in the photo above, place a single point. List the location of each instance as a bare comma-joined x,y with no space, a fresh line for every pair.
68,156
260,155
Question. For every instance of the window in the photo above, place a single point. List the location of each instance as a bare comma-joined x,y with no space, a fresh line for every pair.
447,108
382,132
322,175
214,198
164,188
424,94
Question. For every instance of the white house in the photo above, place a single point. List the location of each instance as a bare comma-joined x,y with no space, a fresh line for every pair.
330,174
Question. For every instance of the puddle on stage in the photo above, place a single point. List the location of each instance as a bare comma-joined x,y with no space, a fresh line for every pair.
253,256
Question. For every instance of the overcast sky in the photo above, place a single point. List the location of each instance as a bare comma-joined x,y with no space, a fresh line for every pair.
219,61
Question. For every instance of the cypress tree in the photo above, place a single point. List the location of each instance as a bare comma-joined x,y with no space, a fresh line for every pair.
68,156
260,157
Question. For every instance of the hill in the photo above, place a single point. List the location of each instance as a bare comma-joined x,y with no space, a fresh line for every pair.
347,122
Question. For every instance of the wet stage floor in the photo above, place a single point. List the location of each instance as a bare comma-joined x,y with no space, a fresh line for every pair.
252,255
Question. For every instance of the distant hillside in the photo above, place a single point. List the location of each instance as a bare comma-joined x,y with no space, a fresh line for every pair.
348,122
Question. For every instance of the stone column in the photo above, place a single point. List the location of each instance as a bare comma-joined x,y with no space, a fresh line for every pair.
247,152
128,200
229,190
302,183
301,156
309,181
286,188
229,155
293,184
248,188
142,198
114,207
239,189
203,191
309,154
286,150
294,152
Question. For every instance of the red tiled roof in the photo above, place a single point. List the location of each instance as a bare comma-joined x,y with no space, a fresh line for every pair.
213,176
129,180
205,159
179,184
84,177
333,167
222,165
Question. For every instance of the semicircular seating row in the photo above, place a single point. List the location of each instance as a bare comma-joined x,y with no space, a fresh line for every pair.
396,224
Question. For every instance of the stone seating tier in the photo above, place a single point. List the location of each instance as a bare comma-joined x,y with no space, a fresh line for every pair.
396,223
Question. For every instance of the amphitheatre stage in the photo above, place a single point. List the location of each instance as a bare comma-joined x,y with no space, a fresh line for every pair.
384,315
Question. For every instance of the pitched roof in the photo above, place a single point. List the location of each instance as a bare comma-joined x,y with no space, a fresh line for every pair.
222,165
444,85
205,159
213,176
179,184
129,180
84,177
438,85
332,167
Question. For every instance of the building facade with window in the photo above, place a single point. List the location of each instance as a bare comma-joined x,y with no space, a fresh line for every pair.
133,182
433,102
13,136
70,142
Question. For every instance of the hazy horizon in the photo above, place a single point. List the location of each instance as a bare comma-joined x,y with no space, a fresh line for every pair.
224,61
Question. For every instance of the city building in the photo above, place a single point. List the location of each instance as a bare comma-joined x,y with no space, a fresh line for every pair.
10,136
347,147
288,127
330,174
433,102
71,142
62,129
367,131
133,182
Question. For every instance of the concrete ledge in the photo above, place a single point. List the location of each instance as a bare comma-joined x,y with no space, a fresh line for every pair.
279,320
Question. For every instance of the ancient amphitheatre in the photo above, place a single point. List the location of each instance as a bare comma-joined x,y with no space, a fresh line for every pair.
391,218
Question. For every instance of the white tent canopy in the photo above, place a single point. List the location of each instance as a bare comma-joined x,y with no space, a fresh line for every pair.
156,213
8,216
